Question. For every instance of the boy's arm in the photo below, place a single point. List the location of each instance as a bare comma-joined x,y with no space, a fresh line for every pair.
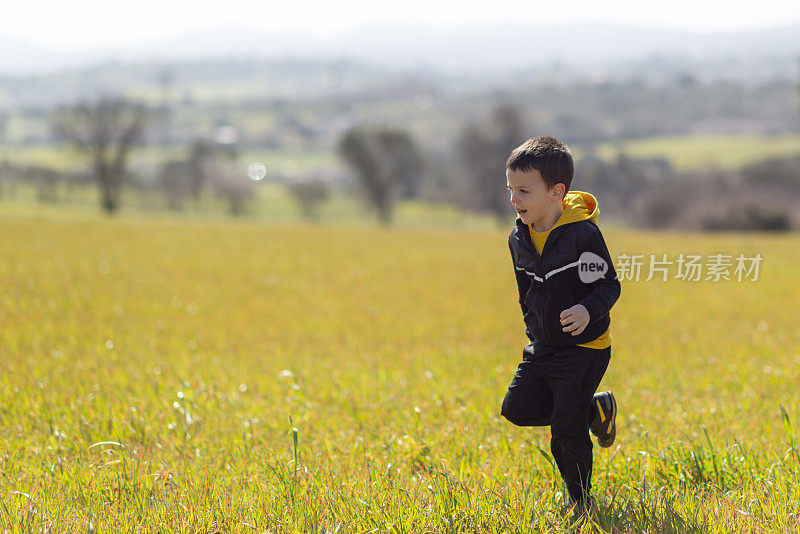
606,290
523,282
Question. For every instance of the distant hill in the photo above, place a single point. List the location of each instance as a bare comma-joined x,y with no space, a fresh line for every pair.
588,83
468,50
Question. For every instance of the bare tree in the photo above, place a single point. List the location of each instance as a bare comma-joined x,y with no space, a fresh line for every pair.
201,161
166,79
175,181
180,178
404,160
309,195
362,152
106,130
384,160
483,150
232,186
508,128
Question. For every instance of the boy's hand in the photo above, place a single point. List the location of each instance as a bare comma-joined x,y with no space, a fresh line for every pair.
575,318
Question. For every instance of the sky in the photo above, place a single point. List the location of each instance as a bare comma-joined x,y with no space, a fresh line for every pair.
89,24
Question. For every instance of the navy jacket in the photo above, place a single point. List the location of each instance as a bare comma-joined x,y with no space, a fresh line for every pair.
553,281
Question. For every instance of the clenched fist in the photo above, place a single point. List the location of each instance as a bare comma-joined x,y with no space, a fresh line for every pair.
575,318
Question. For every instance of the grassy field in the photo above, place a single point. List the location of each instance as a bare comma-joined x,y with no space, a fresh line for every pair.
271,203
148,159
717,151
684,153
163,375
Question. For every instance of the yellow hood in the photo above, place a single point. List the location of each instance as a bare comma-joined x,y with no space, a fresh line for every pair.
578,206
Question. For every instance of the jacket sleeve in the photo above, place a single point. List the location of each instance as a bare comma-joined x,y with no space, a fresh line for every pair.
523,281
606,290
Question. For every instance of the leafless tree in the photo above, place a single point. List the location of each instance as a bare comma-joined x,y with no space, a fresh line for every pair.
174,180
166,79
404,161
385,160
180,178
232,186
309,195
201,163
482,150
106,130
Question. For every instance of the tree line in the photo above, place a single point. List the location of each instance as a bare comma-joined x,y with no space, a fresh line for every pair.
389,165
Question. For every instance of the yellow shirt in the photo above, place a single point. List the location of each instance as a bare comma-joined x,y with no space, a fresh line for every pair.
539,238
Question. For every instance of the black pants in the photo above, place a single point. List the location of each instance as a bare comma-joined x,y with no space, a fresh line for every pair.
554,387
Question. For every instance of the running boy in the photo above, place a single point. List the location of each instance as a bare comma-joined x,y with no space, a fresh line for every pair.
567,286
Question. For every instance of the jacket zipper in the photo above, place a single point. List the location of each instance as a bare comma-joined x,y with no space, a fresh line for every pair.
540,273
549,338
546,299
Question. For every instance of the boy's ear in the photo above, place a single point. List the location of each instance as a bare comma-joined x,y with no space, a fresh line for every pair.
558,191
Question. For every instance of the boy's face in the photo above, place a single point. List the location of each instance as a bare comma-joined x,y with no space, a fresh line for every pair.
530,196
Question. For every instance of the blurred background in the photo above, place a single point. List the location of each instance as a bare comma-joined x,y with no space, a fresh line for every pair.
680,116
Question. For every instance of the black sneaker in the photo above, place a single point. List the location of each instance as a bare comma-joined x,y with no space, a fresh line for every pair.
604,424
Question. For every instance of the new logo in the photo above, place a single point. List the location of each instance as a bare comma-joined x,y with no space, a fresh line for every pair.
591,267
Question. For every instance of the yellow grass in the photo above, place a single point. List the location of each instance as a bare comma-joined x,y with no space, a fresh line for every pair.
149,370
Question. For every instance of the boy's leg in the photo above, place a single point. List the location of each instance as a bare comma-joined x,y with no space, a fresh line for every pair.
529,399
574,375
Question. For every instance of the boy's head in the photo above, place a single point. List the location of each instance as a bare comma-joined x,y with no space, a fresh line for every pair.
547,155
539,173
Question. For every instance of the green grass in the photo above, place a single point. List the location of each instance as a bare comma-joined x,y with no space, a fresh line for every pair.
65,158
271,203
291,162
720,151
147,159
167,375
684,152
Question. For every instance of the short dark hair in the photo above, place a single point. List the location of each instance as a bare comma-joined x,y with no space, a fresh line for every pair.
547,155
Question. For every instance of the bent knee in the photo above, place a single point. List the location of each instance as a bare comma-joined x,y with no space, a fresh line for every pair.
510,415
524,417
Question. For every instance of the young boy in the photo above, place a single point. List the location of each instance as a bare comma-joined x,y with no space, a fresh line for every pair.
567,286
